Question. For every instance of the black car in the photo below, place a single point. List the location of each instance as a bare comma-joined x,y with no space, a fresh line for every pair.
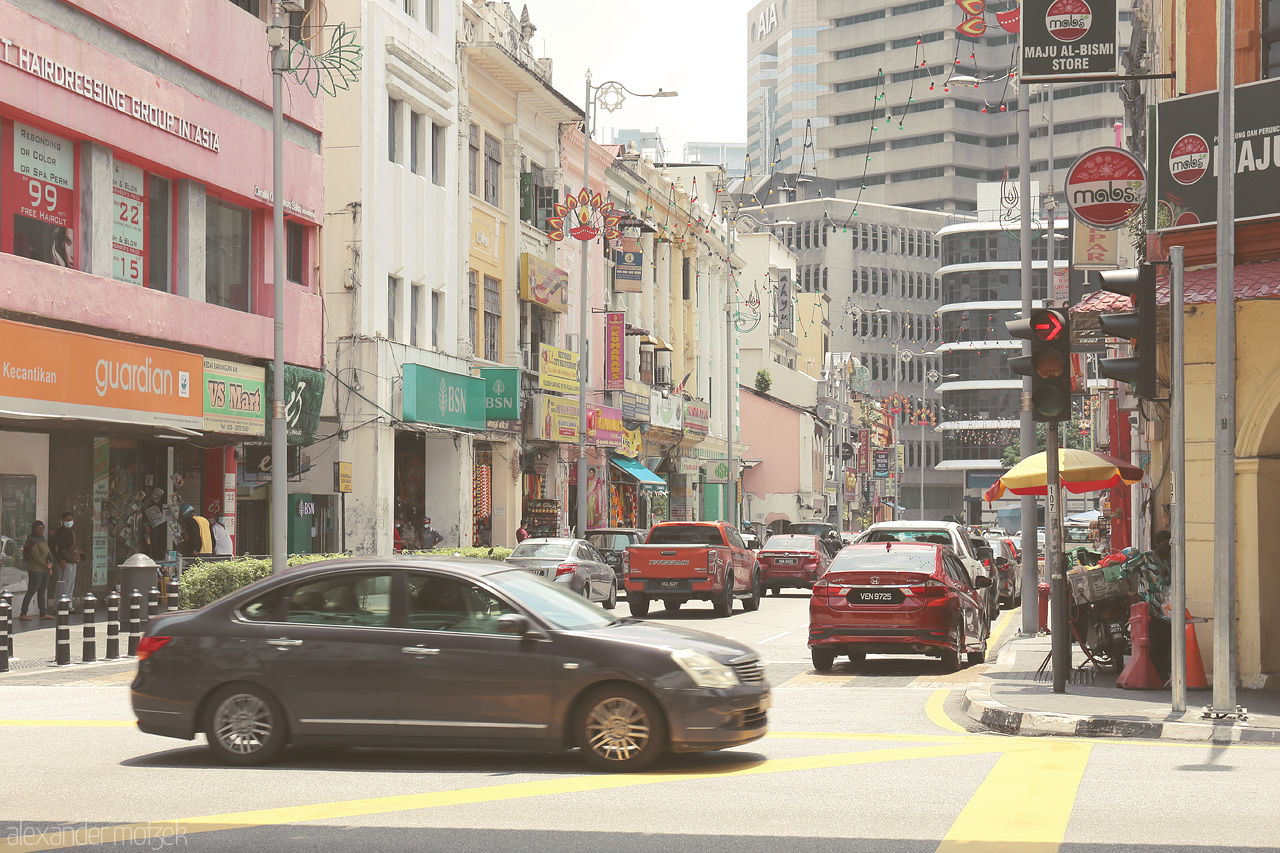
449,652
612,544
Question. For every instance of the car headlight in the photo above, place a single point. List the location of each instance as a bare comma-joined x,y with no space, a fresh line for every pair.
705,671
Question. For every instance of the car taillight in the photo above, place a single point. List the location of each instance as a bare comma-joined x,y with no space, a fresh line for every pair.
565,569
930,589
986,564
147,646
626,563
820,592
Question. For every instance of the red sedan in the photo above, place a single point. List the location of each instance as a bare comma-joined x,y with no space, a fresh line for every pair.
897,598
793,561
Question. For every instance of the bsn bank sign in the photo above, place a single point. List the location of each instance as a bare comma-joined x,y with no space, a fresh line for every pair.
433,396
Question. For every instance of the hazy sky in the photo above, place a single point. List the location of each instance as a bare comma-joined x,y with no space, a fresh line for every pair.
697,47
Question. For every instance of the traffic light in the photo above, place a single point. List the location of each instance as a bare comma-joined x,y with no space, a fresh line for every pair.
1139,327
1049,364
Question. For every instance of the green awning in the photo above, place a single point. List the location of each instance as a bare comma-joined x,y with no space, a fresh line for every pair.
643,475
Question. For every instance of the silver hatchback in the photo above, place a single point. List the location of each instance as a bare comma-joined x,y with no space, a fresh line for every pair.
573,562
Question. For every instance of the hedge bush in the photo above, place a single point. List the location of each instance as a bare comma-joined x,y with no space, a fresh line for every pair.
203,583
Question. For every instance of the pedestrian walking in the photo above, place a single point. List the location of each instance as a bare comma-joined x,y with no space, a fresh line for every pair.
197,540
37,559
221,539
66,553
430,536
522,532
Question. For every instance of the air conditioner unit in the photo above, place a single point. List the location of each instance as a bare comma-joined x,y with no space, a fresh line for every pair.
662,375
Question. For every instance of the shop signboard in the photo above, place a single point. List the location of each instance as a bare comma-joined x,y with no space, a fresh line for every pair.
1068,39
234,398
342,477
632,439
882,461
543,284
439,397
688,466
554,419
52,372
557,370
850,484
604,427
501,398
900,452
1095,248
1105,187
635,407
128,224
697,417
666,411
615,351
628,269
1187,162
304,395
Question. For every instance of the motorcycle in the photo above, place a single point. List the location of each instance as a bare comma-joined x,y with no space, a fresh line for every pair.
1102,630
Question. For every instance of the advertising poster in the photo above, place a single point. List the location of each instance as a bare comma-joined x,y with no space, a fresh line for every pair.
604,427
882,462
234,398
615,336
41,196
628,270
554,419
557,370
128,224
543,284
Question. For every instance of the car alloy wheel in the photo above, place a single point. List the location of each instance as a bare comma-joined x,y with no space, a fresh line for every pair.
620,728
245,726
612,601
723,606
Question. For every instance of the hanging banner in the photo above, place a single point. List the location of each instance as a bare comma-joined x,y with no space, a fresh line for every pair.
501,398
304,395
615,351
631,440
882,462
543,284
628,269
1068,38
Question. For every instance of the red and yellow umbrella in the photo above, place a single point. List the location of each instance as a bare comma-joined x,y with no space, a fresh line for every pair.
1079,470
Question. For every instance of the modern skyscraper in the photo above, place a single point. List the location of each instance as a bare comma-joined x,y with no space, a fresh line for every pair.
782,86
731,155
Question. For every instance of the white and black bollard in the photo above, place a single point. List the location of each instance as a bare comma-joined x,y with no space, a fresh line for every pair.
173,590
113,625
7,598
62,634
153,605
6,627
89,648
135,622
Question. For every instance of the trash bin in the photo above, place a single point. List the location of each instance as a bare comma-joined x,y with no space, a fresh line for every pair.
138,572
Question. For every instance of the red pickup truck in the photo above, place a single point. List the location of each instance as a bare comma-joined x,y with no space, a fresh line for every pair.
685,560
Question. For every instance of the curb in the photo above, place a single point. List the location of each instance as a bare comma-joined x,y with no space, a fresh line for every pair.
978,705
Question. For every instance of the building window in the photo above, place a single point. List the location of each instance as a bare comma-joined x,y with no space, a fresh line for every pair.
493,170
429,7
415,142
537,197
437,154
393,130
473,159
393,306
250,6
228,255
159,233
436,302
294,251
1271,38
473,300
492,316
646,365
415,312
411,8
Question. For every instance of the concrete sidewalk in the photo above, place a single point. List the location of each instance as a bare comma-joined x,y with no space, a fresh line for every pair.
1010,697
35,646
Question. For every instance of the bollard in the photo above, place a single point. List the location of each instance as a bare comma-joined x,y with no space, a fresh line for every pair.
62,634
113,625
153,605
6,627
7,598
1042,605
135,622
1139,673
173,590
89,648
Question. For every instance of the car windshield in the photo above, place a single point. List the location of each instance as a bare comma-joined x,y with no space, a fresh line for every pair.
931,537
792,543
886,560
542,550
554,604
686,534
810,528
609,541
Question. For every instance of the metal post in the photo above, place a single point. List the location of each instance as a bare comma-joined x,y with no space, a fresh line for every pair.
89,635
6,633
1027,428
174,589
113,625
1051,205
62,633
839,461
731,484
1224,483
1177,465
1061,637
135,622
583,298
279,427
924,401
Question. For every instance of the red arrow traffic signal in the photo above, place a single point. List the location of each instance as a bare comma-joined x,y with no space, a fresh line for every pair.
1048,325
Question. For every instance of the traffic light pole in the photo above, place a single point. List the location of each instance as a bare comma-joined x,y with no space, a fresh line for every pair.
1059,621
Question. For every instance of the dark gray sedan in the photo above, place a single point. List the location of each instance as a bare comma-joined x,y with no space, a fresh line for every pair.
439,652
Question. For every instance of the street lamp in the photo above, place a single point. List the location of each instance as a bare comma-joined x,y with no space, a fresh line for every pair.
930,377
610,95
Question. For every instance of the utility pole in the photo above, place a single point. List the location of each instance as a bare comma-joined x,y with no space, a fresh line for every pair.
279,425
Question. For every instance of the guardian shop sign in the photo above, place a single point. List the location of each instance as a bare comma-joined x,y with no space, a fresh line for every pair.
1068,38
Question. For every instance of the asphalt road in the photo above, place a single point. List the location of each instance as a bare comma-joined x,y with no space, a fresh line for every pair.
872,760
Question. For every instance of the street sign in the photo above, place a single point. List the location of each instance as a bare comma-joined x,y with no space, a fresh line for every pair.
1068,38
1105,186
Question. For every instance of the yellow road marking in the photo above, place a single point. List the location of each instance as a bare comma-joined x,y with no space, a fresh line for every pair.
1001,624
891,738
486,794
87,724
933,710
810,679
1024,804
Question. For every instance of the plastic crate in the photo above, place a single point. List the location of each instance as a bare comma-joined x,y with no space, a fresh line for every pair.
1098,588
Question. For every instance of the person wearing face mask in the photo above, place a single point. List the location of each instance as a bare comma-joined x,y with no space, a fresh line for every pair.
66,554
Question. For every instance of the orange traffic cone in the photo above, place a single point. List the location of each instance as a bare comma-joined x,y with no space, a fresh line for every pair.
1196,679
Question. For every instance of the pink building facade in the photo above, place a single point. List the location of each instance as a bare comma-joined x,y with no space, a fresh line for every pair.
786,485
136,271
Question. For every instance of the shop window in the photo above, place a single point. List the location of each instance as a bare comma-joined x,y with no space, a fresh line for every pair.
537,197
492,317
393,307
42,196
416,142
415,313
228,255
646,365
159,248
294,251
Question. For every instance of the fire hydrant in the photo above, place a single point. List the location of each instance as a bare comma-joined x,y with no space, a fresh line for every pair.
1139,673
1042,603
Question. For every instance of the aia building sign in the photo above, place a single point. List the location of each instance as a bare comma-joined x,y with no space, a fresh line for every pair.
1188,157
1068,38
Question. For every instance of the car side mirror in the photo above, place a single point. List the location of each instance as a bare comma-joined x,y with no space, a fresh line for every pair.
980,582
513,623
984,552
1001,562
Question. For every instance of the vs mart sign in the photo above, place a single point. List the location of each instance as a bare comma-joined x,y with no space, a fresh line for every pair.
1068,38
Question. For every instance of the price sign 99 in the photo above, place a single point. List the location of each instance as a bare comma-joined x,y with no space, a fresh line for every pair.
42,197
